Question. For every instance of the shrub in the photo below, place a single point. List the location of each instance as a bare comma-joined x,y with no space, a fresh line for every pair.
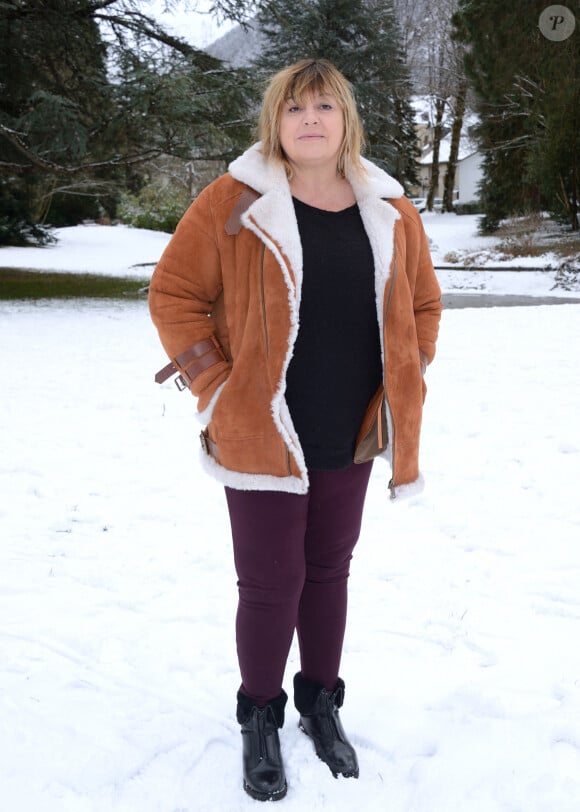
14,231
473,207
156,207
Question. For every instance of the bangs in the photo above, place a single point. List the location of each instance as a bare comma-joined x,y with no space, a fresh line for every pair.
313,80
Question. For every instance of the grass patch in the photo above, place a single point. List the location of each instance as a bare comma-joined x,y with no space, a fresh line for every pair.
22,284
534,235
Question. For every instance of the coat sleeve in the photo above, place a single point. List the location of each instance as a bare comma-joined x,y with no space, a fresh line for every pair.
423,283
427,299
184,289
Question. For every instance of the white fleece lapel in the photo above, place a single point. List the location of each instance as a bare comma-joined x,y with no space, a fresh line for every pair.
273,219
378,216
273,213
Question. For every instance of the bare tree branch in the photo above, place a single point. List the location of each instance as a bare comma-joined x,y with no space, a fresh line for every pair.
36,161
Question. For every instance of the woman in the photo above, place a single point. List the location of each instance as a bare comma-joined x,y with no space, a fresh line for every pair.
298,302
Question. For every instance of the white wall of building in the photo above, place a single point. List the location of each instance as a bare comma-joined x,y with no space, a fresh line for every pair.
468,175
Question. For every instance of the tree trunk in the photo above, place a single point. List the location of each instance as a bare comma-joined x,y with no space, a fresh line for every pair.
570,202
437,134
456,128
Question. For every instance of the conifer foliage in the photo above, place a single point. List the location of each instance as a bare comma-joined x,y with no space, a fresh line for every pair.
89,91
362,38
528,99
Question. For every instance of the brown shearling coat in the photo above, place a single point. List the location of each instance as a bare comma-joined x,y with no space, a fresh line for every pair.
242,290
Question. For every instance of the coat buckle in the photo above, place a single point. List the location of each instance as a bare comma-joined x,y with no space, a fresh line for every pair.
203,441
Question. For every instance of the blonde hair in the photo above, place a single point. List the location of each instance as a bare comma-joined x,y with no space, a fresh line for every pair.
308,77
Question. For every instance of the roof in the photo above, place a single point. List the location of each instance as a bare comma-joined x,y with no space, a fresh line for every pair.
467,147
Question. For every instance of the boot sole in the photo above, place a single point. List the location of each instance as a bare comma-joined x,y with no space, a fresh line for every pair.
265,796
336,773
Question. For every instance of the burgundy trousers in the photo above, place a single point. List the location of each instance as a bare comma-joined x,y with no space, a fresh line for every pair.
292,556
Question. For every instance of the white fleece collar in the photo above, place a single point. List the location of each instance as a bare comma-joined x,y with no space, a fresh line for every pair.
377,183
274,215
265,176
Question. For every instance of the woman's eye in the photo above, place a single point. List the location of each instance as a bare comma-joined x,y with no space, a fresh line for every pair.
326,106
293,109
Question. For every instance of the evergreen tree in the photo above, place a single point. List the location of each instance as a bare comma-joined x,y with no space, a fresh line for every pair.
91,89
361,37
527,98
554,157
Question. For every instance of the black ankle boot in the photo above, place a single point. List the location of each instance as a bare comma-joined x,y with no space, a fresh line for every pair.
264,777
319,719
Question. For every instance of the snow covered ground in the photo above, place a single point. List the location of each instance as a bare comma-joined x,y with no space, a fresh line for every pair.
134,252
117,591
111,250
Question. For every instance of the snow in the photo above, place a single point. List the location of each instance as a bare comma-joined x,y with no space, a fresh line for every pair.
121,250
453,236
111,250
117,590
466,148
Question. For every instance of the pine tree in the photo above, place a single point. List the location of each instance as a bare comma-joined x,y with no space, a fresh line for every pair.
362,39
554,155
527,99
91,89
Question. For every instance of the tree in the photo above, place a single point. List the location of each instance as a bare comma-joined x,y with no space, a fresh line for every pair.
362,38
554,156
458,107
91,89
527,99
435,61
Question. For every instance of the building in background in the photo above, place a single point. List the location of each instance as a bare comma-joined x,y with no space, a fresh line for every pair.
468,172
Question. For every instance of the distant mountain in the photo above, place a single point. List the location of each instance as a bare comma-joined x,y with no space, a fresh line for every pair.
239,47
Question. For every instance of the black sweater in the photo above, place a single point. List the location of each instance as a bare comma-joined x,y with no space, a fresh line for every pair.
336,367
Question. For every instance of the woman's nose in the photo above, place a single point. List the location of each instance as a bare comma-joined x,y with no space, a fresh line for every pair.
310,115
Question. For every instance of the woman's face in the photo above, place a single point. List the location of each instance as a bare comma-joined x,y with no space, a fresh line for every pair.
311,133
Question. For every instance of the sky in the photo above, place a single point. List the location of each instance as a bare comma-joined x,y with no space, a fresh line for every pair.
118,671
191,20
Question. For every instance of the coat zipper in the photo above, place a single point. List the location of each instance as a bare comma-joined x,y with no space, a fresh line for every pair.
266,334
263,296
388,304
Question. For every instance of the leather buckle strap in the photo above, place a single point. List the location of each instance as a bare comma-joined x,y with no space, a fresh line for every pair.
191,362
196,351
234,221
197,367
208,444
165,373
